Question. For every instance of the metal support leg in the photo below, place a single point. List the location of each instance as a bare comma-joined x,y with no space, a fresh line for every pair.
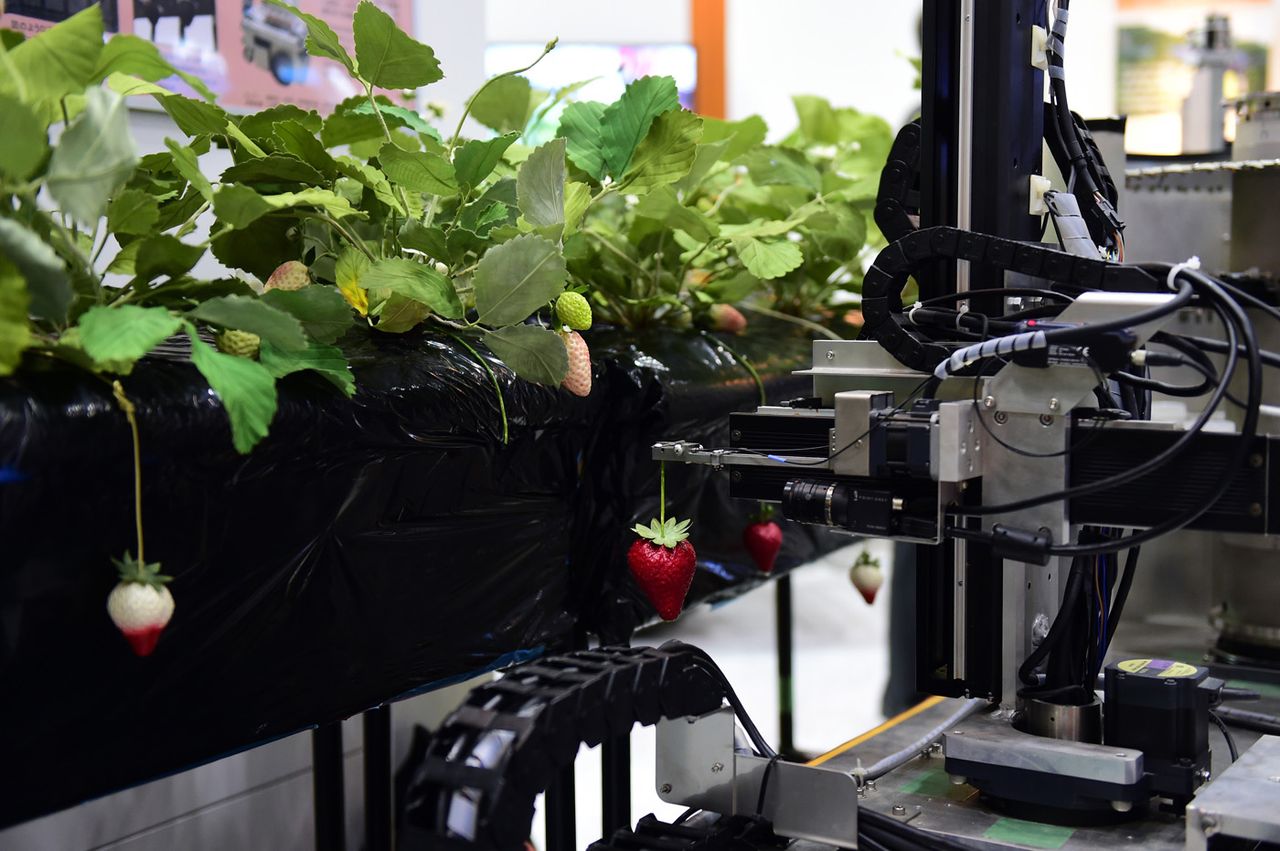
327,794
561,813
379,792
615,763
782,624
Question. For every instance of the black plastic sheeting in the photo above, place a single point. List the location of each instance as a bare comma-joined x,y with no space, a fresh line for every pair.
366,550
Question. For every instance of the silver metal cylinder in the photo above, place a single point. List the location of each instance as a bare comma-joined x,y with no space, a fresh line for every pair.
1072,723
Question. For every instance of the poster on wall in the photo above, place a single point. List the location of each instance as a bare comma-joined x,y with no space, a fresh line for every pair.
252,54
1161,44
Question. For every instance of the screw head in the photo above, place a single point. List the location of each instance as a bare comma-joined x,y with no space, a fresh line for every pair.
735,434
899,810
1002,417
1055,405
1255,509
831,355
665,788
989,402
717,767
1255,460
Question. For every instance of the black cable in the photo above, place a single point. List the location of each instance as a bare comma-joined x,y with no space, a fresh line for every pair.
1070,601
762,746
764,783
1247,719
1122,594
1226,734
1269,358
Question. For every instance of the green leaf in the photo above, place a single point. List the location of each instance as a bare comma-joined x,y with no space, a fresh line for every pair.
139,58
768,260
577,197
430,241
388,57
243,313
663,205
397,116
476,160
540,185
24,142
132,211
48,286
58,62
239,206
125,333
626,122
94,157
15,334
125,260
128,85
347,124
292,137
195,117
399,314
774,166
580,125
162,254
817,119
184,160
275,240
741,136
506,104
261,125
246,388
704,159
517,277
418,171
417,281
532,352
667,153
323,312
272,169
321,39
370,177
326,361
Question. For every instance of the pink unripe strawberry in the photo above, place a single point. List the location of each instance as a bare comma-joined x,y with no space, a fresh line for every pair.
290,275
140,605
727,319
578,379
866,576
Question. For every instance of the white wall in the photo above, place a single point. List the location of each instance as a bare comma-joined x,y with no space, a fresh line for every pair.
650,22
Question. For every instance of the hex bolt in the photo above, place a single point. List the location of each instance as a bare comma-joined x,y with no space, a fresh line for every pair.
1122,806
1002,417
717,767
665,788
899,810
1122,755
737,475
1055,405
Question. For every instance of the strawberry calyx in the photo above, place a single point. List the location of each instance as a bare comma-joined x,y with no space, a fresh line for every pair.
135,571
763,514
664,533
866,559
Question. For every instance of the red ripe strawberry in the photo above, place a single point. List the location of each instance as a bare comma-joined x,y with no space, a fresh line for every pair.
140,605
578,379
662,562
866,576
728,319
290,275
763,539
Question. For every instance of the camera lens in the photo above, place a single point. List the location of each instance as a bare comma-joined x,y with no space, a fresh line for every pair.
823,503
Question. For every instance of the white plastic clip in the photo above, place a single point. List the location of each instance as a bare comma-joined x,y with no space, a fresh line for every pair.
1040,48
1192,263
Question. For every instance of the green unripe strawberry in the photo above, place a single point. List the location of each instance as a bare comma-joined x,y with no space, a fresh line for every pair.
574,311
239,343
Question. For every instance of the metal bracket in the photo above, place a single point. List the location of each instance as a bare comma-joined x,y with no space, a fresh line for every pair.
1241,802
700,766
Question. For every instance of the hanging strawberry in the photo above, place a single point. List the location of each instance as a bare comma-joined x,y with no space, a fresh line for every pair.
578,379
140,605
663,560
763,538
866,576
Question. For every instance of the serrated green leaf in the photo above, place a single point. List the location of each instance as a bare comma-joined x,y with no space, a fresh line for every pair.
321,39
243,313
94,157
663,205
124,261
417,281
418,171
667,152
127,85
126,332
399,314
58,62
517,277
246,388
139,58
577,197
195,117
768,259
274,241
261,125
704,160
272,169
531,352
239,206
346,124
15,334
327,361
186,164
739,136
540,186
774,166
817,119
626,122
386,56
429,240
398,116
322,310
132,211
506,104
643,531
371,178
48,285
24,142
162,254
476,160
580,126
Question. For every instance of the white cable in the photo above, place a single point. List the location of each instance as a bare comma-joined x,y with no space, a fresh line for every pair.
1192,263
990,348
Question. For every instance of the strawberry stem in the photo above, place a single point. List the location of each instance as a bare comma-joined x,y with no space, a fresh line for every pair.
662,491
497,387
130,414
